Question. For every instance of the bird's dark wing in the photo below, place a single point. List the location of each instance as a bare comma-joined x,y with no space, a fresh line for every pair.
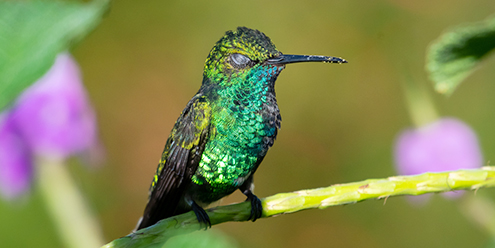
179,161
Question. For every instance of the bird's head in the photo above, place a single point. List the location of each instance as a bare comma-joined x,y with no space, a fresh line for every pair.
246,54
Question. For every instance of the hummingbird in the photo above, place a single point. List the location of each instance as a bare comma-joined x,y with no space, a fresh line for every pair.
225,130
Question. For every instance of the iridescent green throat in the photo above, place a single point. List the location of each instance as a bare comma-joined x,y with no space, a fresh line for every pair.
240,126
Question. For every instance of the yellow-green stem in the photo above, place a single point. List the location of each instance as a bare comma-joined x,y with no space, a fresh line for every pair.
339,194
481,210
74,221
420,106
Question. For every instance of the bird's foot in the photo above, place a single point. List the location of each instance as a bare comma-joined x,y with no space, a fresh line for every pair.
256,207
201,215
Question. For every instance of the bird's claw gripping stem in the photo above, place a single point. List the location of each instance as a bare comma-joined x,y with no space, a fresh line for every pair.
256,207
201,215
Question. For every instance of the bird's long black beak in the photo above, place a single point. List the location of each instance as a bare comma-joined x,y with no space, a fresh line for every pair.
289,58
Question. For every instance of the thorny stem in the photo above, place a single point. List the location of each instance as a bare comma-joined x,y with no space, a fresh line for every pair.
339,194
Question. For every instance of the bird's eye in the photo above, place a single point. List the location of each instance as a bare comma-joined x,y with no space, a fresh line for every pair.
239,60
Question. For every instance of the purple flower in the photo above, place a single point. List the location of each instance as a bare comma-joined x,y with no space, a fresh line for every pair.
52,118
446,144
54,115
15,160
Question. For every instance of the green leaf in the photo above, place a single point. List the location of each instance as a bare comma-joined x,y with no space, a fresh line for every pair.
32,33
454,56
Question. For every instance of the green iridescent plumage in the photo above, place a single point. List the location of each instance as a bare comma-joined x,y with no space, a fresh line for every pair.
226,129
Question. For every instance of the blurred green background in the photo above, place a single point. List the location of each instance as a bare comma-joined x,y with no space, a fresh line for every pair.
145,61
